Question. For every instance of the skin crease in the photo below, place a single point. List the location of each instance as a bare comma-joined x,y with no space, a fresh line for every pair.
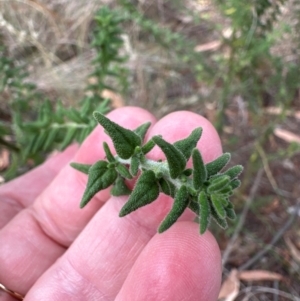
52,250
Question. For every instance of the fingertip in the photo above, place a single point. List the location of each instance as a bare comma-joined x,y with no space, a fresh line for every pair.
179,264
178,125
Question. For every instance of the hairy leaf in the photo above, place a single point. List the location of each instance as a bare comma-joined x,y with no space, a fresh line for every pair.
234,171
188,172
175,158
145,192
146,148
220,221
227,191
204,211
142,130
123,171
217,165
199,173
188,144
230,211
100,177
219,184
124,140
81,167
134,165
235,184
181,202
120,188
218,206
108,153
167,187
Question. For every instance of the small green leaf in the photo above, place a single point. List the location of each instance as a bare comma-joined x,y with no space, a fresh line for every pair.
219,184
108,153
146,148
142,130
204,212
120,188
134,165
235,184
100,177
181,202
175,158
188,172
69,137
199,173
40,141
230,211
167,187
217,165
220,221
145,192
218,206
234,171
81,167
227,190
188,144
124,140
123,171
54,132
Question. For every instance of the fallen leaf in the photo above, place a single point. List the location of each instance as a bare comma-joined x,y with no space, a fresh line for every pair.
278,111
214,45
258,275
286,135
230,287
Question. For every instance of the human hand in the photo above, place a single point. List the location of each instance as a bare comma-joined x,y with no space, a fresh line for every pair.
52,250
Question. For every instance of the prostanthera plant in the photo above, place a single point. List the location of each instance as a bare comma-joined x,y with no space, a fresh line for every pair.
204,188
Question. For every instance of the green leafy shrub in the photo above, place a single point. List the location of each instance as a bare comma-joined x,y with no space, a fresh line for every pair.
37,125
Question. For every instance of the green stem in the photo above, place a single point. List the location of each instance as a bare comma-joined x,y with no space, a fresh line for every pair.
157,168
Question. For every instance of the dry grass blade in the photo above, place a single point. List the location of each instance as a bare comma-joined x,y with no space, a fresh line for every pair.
259,275
211,46
279,111
287,135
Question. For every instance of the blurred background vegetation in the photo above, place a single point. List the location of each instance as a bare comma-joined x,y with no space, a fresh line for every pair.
235,62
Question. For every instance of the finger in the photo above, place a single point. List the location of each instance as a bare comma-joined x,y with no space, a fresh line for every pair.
22,191
103,254
38,235
178,265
